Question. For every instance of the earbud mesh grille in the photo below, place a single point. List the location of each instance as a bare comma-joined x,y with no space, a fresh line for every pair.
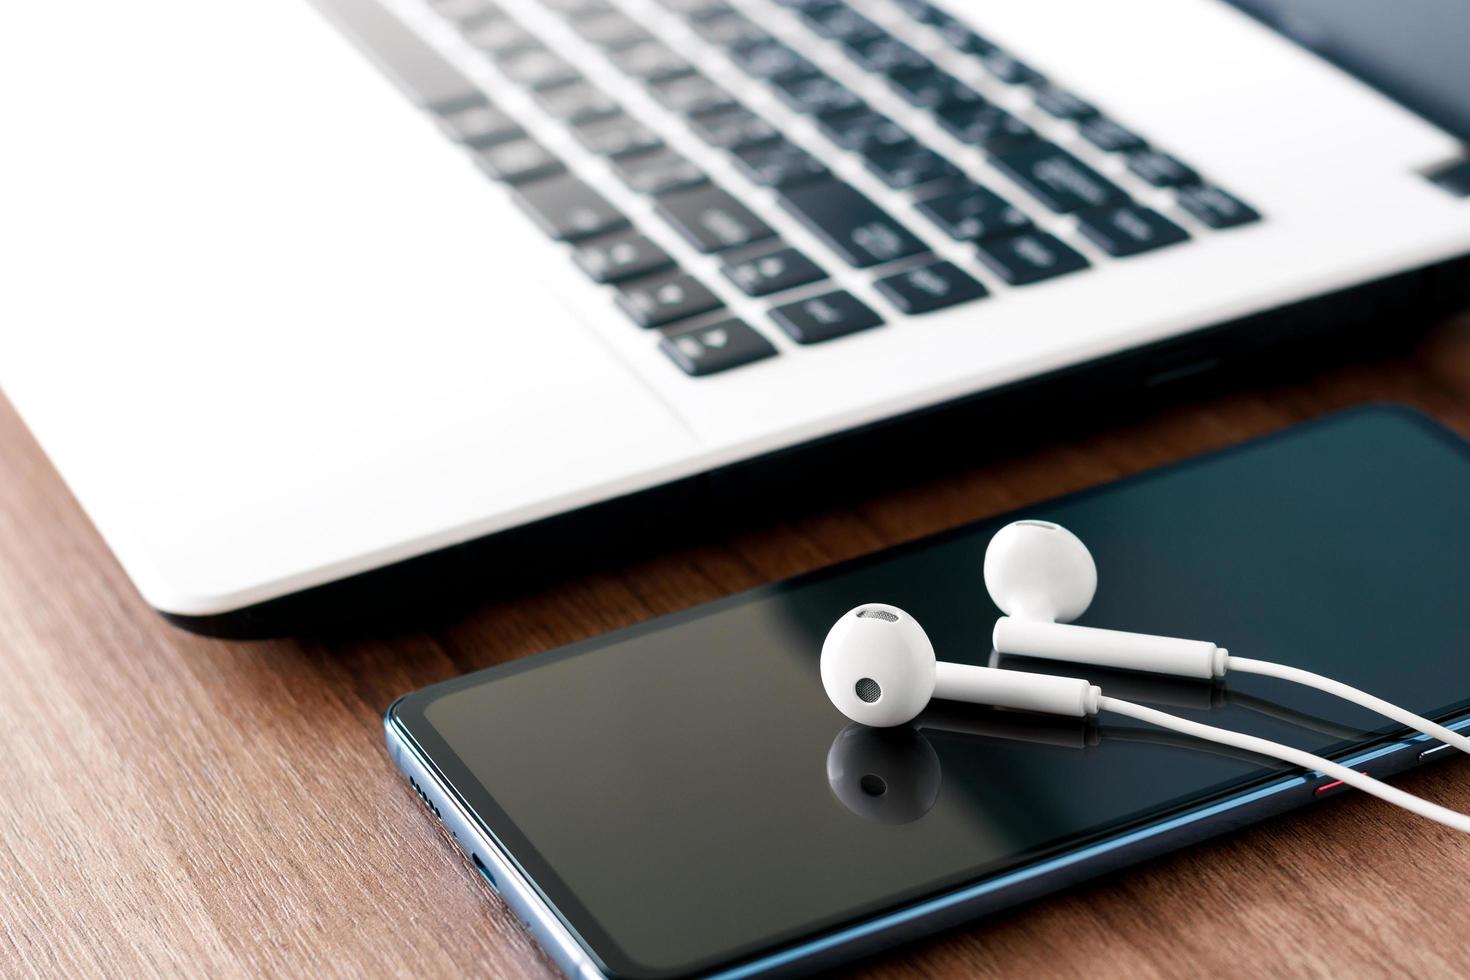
882,614
868,690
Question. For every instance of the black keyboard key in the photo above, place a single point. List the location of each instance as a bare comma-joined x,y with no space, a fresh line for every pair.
964,40
838,22
887,56
824,317
611,31
909,166
617,137
1107,135
780,164
983,125
972,213
1058,179
423,75
728,29
717,347
841,23
658,172
863,130
617,258
690,94
518,161
567,209
655,302
805,7
577,102
712,220
537,69
773,272
650,62
1216,208
860,232
1061,104
817,94
930,287
1030,257
730,129
771,61
924,12
1009,69
1129,229
931,89
1161,169
480,125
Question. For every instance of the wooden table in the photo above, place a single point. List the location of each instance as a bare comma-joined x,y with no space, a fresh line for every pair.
175,804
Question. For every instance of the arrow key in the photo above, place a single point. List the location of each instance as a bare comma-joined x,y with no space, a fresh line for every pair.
717,347
772,272
930,287
567,209
653,303
617,258
824,317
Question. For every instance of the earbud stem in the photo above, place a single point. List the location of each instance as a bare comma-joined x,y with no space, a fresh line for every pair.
1109,648
1016,689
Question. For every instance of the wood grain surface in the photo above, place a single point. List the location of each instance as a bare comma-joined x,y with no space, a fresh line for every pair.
180,805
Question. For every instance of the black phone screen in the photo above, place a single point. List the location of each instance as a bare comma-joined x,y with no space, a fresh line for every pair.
667,787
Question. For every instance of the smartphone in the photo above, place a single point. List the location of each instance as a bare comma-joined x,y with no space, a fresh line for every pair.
680,797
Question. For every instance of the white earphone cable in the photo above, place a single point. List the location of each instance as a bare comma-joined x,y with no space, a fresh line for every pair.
1349,693
1306,760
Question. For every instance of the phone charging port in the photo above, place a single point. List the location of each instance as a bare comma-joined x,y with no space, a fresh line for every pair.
485,873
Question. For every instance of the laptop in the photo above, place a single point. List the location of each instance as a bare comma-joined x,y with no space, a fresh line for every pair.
301,291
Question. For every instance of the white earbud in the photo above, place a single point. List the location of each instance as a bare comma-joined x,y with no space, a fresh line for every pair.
878,668
1041,576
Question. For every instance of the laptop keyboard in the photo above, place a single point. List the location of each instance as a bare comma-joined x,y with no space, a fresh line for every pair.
647,282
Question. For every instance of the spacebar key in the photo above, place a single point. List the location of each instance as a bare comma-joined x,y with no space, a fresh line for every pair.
424,75
850,224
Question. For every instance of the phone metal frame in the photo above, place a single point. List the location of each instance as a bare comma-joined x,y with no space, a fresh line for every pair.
920,918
